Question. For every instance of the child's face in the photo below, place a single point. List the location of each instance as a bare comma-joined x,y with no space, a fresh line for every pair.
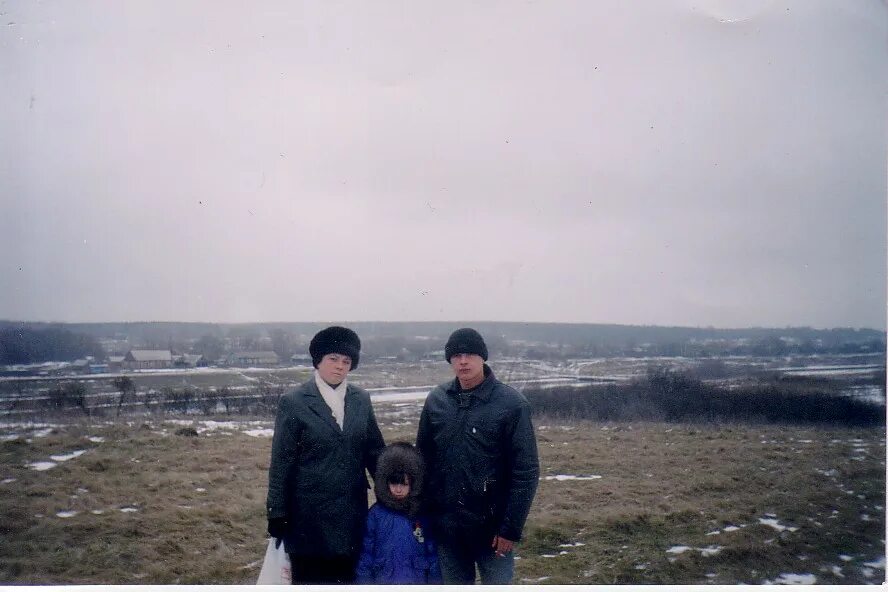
399,490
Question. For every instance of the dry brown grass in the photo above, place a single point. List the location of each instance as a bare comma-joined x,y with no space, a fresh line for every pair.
661,486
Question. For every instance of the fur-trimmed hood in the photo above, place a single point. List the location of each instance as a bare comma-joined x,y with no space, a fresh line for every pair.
395,459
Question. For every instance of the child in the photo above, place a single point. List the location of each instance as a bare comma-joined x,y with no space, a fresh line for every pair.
397,548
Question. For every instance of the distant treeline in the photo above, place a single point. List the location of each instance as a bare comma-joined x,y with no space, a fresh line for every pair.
411,340
667,395
25,345
575,334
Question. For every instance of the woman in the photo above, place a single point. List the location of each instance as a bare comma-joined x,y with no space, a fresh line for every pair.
325,437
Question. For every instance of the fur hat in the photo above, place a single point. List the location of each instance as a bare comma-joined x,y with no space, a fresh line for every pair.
465,341
335,340
395,460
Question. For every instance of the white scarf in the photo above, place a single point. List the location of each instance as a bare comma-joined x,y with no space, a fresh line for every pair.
333,397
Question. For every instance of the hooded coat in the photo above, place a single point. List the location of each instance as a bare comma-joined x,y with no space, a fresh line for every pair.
316,478
397,548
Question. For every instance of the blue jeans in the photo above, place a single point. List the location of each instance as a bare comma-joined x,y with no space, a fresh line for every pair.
458,565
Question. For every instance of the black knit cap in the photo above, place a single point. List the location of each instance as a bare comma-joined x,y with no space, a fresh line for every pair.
335,340
465,341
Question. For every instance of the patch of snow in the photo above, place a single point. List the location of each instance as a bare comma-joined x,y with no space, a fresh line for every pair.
129,510
845,557
836,571
409,396
571,477
790,578
829,370
705,551
542,579
677,549
773,523
221,425
66,514
876,563
97,512
573,545
548,556
867,572
263,433
64,457
200,489
41,466
713,533
9,480
731,528
9,437
95,439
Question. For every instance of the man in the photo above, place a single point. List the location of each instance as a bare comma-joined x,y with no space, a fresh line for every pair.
478,442
324,438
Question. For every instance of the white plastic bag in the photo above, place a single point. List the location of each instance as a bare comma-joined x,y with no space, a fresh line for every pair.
276,566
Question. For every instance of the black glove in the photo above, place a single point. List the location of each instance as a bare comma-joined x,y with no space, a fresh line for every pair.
277,528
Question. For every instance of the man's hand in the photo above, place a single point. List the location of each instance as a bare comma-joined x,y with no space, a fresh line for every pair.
502,546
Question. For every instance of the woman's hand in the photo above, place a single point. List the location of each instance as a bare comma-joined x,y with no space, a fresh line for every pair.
277,528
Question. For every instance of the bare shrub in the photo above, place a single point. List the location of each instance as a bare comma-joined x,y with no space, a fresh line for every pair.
673,396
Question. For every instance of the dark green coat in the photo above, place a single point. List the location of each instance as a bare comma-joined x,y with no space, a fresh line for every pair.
316,478
481,461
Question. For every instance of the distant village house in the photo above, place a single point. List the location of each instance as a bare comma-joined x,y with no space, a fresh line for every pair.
189,361
256,358
148,359
300,359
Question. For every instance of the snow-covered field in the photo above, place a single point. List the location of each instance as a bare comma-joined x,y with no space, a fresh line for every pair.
403,381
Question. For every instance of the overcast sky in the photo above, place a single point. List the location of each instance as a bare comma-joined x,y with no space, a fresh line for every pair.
664,162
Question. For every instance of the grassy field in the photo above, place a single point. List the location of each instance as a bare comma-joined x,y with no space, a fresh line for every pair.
165,502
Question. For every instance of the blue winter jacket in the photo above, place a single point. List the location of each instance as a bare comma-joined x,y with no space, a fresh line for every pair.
392,554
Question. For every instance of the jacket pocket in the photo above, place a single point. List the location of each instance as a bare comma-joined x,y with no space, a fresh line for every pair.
483,438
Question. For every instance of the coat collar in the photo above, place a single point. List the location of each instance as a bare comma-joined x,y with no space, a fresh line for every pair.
319,407
483,391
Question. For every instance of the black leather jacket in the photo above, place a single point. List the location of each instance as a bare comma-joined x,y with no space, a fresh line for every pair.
481,458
